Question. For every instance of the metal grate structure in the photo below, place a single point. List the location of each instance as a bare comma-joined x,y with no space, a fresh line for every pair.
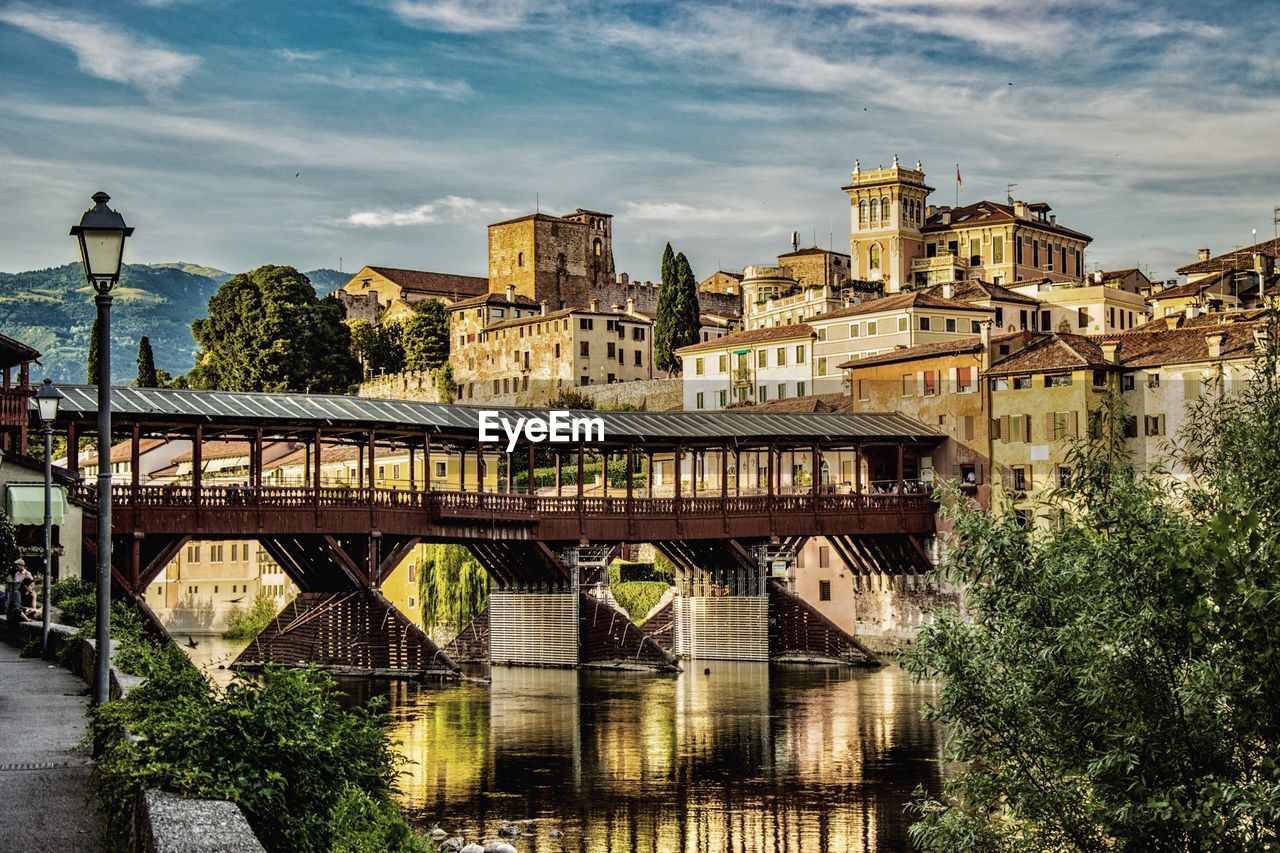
529,628
722,628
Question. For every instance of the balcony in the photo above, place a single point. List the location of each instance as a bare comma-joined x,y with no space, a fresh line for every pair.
13,406
945,266
742,376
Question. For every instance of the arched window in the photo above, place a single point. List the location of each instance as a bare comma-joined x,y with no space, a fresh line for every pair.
597,246
875,210
873,257
862,212
520,259
906,210
885,209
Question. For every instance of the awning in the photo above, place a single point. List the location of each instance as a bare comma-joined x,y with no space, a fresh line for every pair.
24,503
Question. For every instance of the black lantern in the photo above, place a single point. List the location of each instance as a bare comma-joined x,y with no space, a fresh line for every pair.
101,234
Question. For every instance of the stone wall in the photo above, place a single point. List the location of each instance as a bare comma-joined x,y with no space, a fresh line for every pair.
889,610
652,395
419,385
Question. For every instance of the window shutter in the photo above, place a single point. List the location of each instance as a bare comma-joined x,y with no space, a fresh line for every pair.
1049,432
1027,437
1075,424
1004,428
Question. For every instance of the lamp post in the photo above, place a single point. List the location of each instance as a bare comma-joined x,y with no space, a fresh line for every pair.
101,235
47,399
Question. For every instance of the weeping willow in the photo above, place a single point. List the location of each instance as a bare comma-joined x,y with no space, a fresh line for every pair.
452,586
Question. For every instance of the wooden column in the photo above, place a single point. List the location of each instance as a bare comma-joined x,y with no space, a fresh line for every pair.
769,470
197,464
724,472
631,466
413,475
581,474
508,455
359,466
257,461
857,469
648,474
737,471
901,465
462,467
73,450
529,486
317,456
676,466
817,470
373,471
693,472
558,489
480,467
426,462
135,460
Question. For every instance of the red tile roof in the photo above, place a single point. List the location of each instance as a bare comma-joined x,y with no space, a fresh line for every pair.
1191,288
752,336
898,302
1054,352
835,402
1185,345
976,290
1239,259
959,346
494,299
991,212
438,283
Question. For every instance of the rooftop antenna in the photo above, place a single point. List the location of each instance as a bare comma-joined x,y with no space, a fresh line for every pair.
537,203
1008,192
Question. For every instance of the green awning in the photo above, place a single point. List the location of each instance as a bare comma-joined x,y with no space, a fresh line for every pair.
24,503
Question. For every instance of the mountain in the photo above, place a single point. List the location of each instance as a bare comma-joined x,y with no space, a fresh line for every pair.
53,310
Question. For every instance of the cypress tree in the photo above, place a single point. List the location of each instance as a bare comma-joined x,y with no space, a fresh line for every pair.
92,372
664,325
688,325
147,377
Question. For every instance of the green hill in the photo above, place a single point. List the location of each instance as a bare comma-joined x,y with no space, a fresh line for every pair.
52,310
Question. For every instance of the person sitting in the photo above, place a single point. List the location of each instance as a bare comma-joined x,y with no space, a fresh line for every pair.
27,609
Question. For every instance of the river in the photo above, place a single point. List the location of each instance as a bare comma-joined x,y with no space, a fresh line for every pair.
743,758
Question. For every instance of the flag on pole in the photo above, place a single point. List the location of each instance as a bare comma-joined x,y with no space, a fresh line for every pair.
959,180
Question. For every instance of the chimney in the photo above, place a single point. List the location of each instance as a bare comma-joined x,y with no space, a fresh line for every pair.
543,305
1097,277
511,293
593,305
930,210
1192,310
1172,321
946,216
1020,210
1214,341
1202,254
1053,219
1263,264
1261,336
985,326
1109,350
948,290
631,305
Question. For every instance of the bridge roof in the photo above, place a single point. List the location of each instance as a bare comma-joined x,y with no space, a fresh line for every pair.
168,407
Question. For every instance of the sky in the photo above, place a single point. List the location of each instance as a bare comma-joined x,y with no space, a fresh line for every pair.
233,133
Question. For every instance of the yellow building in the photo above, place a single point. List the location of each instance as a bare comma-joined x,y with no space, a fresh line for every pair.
377,291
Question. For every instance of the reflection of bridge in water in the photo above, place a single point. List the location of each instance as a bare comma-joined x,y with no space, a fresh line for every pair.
722,495
748,758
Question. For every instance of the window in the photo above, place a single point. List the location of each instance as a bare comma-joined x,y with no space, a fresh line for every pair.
924,324
864,389
1019,479
782,356
1000,384
763,396
611,350
1126,382
824,587
1082,319
697,402
800,387
822,367
724,399
902,324
824,557
639,358
193,553
1022,319
930,378
908,384
964,380
800,354
1023,517
1062,425
1154,424
1057,380
1035,253
584,349
873,328
215,555
762,358
557,350
862,212
413,573
873,256
999,316
1021,383
997,249
1064,477
853,330
586,324
968,424
442,469
722,364
782,390
1099,378
697,368
950,324
975,327
637,334
1153,380
975,251
1017,250
822,333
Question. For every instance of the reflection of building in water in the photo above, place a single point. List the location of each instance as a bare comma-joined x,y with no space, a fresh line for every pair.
745,759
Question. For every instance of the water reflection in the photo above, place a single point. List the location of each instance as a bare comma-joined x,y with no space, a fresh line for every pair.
745,758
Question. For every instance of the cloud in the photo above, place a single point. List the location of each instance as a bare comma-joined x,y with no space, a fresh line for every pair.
106,52
453,90
448,209
468,16
291,56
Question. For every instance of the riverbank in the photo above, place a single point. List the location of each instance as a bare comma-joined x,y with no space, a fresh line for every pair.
49,804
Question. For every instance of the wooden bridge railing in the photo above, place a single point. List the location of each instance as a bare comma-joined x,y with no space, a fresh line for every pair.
462,504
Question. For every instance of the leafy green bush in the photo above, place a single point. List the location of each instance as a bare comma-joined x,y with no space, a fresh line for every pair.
637,598
622,571
245,623
361,824
76,598
546,477
282,748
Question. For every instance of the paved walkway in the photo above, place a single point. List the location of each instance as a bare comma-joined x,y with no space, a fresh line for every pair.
46,802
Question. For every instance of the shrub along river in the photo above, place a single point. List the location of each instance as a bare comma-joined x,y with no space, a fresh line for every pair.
747,757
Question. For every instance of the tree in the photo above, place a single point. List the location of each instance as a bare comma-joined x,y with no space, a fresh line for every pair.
453,587
91,374
571,398
426,336
147,376
267,331
1117,682
378,346
688,313
665,323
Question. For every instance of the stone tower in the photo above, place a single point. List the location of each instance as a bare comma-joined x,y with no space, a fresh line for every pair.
561,260
887,212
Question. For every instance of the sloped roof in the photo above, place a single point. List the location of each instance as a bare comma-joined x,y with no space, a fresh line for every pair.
1191,288
1184,345
1207,319
1237,259
959,346
817,403
1056,351
440,283
494,299
14,352
753,336
898,302
975,290
814,250
990,213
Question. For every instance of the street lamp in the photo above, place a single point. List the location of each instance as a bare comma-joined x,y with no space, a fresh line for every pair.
101,234
47,399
